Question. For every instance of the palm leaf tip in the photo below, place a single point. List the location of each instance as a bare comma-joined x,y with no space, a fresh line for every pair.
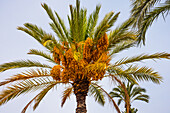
20,64
66,94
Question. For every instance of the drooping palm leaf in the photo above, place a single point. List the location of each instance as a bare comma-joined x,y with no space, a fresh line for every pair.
21,64
97,93
151,16
23,87
66,94
39,97
138,74
41,53
108,96
42,94
32,73
140,9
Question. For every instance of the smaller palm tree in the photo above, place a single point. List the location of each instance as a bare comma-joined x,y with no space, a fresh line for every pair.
134,92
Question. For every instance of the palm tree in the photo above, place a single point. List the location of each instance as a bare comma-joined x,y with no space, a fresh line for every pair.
134,92
81,56
144,12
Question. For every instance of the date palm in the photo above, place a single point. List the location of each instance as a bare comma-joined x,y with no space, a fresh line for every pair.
81,56
135,93
144,12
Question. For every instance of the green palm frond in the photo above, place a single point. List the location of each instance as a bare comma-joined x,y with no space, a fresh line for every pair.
39,97
42,94
139,74
40,35
141,57
105,24
31,33
23,87
97,93
22,63
128,35
118,92
136,91
140,8
59,31
32,73
42,54
118,31
150,17
63,26
79,24
119,72
66,94
142,97
119,102
108,96
92,21
113,94
122,46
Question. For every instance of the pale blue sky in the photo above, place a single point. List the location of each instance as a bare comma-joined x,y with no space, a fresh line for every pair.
15,45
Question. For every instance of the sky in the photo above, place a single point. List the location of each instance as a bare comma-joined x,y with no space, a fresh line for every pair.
16,44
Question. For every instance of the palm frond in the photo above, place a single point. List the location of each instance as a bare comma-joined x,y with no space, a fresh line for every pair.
122,29
141,57
22,63
38,97
66,94
25,108
150,17
126,36
137,91
119,102
32,73
118,72
58,29
109,97
23,87
122,46
97,93
103,26
140,9
41,53
140,74
142,97
63,26
39,34
78,23
115,95
92,21
42,94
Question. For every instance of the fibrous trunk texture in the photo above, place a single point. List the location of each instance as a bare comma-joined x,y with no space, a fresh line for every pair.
80,90
81,103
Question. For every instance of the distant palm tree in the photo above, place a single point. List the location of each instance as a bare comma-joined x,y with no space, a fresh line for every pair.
80,57
144,12
134,92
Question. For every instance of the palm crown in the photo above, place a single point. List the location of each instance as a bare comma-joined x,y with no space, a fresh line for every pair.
81,55
134,92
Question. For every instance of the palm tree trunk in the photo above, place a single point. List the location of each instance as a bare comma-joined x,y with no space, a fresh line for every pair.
81,88
81,103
